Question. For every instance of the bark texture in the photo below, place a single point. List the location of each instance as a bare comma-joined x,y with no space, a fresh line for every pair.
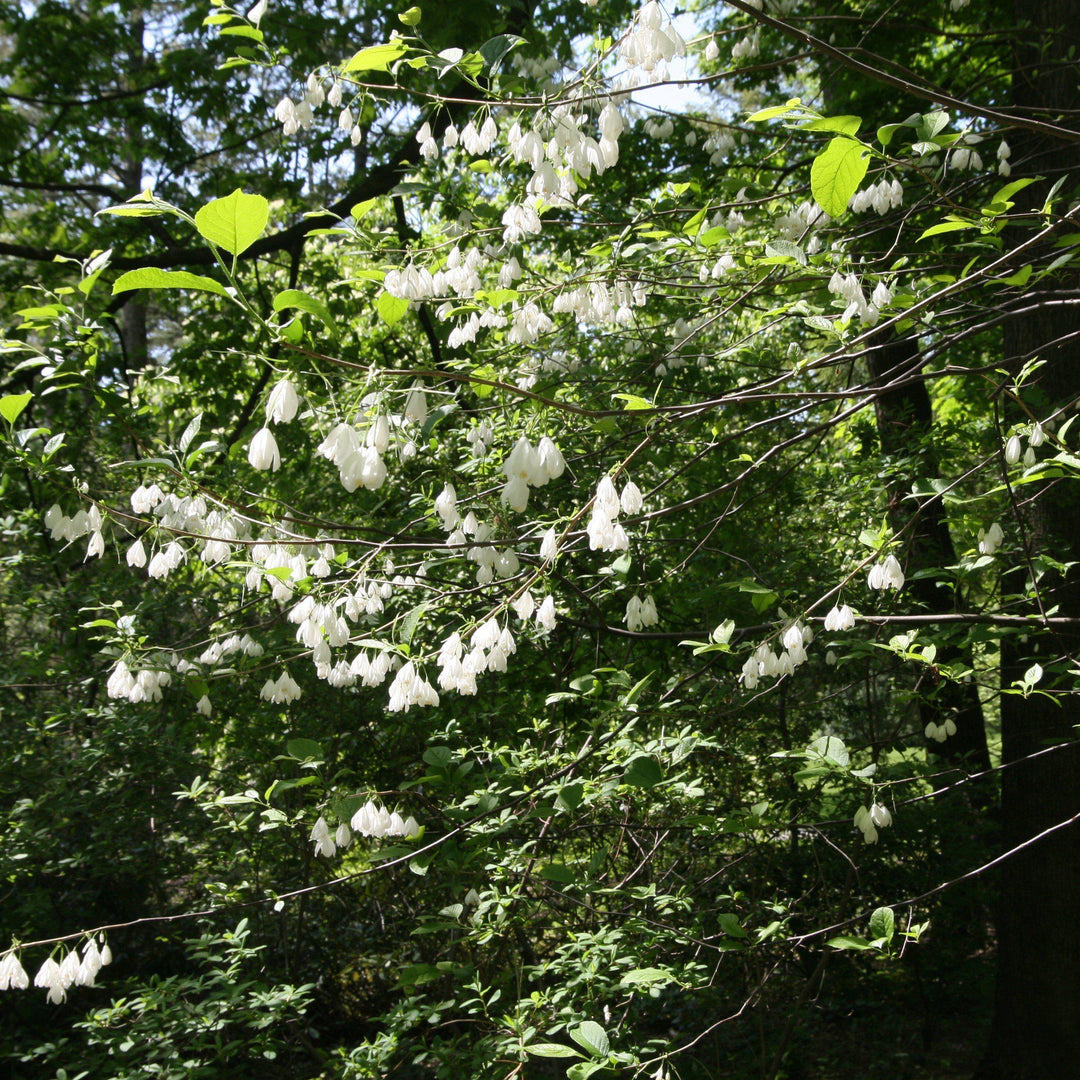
1036,1029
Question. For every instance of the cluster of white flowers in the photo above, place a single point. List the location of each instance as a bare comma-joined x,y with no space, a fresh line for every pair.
764,663
660,128
12,973
480,439
723,265
359,455
1014,447
68,529
489,648
651,43
145,685
1004,152
940,732
525,608
533,67
848,288
326,844
219,528
58,977
528,466
990,539
604,531
527,323
883,196
839,618
597,303
966,156
281,690
296,115
747,46
868,821
886,574
377,822
565,153
806,216
640,613
719,145
410,688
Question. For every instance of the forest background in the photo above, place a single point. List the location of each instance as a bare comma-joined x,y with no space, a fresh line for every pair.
503,577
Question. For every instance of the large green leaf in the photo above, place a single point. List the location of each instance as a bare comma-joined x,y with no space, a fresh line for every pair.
837,172
151,278
376,57
11,405
235,222
301,301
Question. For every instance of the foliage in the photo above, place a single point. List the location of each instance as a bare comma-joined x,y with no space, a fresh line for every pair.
530,578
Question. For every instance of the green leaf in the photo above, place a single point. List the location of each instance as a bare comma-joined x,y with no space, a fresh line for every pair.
592,1037
846,125
13,404
846,941
235,222
375,57
1019,278
495,50
830,749
304,750
643,771
410,622
295,299
152,278
646,977
729,923
410,17
794,107
559,873
391,309
948,227
837,172
252,32
569,797
551,1050
882,924
786,249
633,402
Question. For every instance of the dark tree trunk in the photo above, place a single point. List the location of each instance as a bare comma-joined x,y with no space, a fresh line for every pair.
1036,1030
904,421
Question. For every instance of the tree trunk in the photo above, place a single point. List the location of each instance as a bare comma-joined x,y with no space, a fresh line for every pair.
904,421
1036,1028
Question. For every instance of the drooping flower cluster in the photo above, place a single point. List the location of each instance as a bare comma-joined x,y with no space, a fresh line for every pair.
650,44
990,539
940,732
883,196
886,574
764,662
527,466
868,821
59,977
328,845
378,822
489,648
12,973
145,685
410,688
281,690
640,613
604,531
839,618
69,529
